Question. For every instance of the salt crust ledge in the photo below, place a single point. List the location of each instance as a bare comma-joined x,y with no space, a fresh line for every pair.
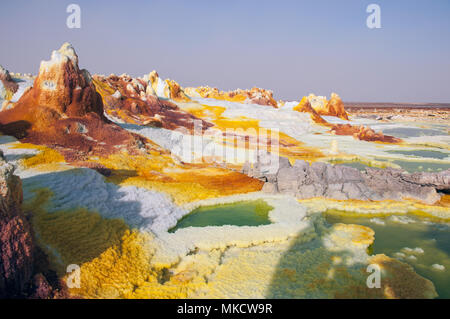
288,219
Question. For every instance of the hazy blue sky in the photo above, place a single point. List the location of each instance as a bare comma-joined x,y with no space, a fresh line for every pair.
291,47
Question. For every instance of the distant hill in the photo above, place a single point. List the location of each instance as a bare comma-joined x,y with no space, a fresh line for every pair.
351,105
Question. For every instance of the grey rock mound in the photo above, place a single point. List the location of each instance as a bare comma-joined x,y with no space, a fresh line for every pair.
440,181
395,184
343,182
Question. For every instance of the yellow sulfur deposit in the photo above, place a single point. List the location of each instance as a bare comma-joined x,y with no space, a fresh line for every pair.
185,183
125,271
77,236
117,262
47,159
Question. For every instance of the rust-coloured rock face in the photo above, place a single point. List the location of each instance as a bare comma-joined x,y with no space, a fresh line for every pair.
63,87
63,110
363,133
16,250
60,90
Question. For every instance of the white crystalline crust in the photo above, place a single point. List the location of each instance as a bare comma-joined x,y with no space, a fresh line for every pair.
79,187
438,267
378,221
117,94
401,219
300,126
63,55
288,219
363,149
13,155
181,144
2,92
416,250
160,88
290,105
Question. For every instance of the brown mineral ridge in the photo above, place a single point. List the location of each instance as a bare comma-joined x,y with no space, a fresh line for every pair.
363,133
136,104
254,95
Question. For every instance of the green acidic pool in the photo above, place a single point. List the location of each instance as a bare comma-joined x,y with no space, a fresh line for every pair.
244,213
421,153
393,237
404,132
412,167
